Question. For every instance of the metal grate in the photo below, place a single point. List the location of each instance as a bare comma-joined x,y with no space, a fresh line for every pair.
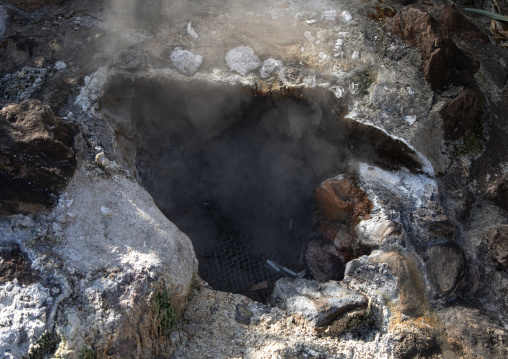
247,268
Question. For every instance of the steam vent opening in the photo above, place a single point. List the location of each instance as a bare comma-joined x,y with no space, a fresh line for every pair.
235,169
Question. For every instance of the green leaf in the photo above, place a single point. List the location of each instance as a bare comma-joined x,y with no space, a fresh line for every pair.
488,14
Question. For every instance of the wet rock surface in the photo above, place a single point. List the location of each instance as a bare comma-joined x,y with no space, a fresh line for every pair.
37,156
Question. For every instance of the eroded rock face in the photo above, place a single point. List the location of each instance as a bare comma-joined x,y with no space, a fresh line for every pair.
459,113
446,266
498,246
37,157
443,62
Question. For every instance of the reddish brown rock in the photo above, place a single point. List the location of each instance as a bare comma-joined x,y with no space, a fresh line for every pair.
342,201
459,112
443,62
36,156
497,238
324,261
454,23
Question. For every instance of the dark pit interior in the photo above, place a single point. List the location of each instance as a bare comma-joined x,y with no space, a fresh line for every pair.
234,169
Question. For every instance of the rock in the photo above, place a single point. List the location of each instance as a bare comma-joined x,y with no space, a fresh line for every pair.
443,62
495,71
319,303
32,5
131,60
324,261
453,22
22,84
498,192
191,32
412,296
4,20
341,200
242,60
373,232
269,67
37,157
15,265
433,224
405,2
459,113
412,344
497,238
243,314
185,61
446,266
60,65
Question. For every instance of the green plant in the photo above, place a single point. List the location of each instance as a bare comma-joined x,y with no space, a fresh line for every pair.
50,238
166,316
492,15
474,139
86,353
362,82
45,345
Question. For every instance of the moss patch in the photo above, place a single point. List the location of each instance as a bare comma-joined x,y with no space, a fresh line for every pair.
166,316
45,345
474,140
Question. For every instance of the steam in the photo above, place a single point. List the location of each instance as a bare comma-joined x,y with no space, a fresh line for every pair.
205,154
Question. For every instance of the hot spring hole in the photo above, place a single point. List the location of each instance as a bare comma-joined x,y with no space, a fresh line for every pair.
235,171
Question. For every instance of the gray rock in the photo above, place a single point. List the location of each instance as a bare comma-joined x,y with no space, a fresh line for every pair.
269,67
185,61
131,60
446,266
21,85
4,18
242,60
243,314
319,303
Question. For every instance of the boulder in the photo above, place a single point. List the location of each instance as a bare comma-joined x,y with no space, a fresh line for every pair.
37,157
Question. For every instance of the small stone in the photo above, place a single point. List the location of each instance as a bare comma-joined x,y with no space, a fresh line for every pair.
243,314
269,67
185,61
106,211
191,32
56,227
242,60
60,65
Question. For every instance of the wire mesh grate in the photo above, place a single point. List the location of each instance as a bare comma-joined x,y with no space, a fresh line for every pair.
243,267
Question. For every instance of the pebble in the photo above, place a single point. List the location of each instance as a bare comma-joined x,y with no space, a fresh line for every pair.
106,211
